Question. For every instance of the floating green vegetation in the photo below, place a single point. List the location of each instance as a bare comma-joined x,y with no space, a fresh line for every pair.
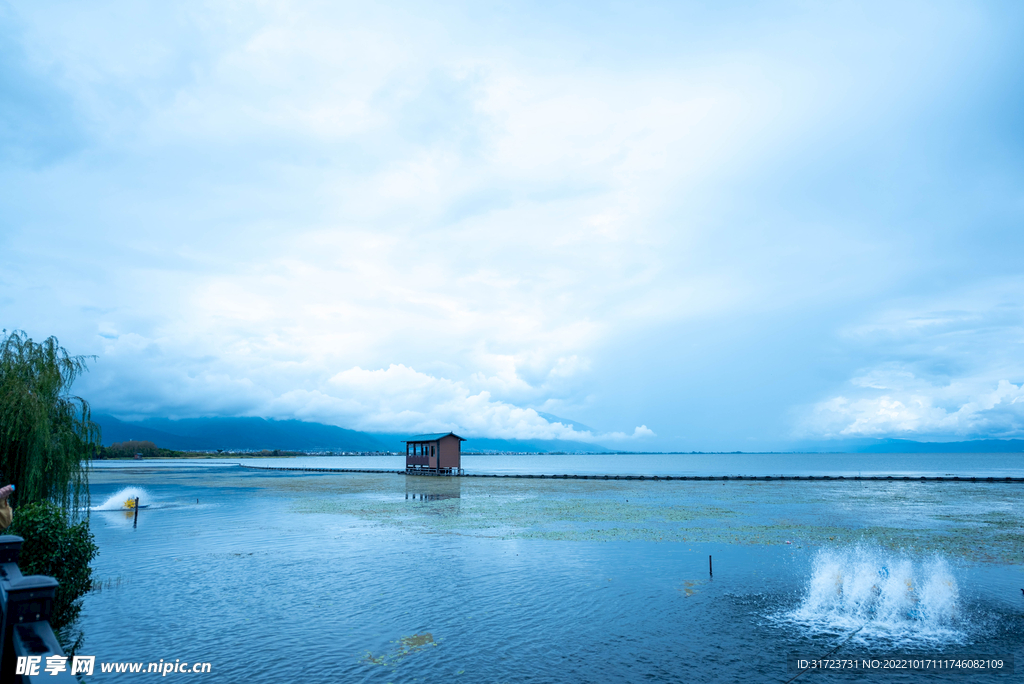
403,648
969,521
976,523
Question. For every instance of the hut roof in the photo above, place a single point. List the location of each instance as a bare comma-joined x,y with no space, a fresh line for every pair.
433,437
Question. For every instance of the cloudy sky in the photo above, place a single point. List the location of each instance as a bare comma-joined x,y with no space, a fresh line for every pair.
754,226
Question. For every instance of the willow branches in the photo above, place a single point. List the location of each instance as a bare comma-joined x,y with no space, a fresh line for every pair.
47,436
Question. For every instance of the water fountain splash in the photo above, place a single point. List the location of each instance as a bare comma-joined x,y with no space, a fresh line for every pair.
117,501
893,596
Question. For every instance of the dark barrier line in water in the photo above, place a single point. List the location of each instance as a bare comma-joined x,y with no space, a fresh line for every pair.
712,478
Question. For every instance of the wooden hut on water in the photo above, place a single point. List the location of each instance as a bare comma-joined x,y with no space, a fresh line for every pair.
435,454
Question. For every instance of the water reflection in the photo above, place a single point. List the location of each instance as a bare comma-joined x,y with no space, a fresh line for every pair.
118,518
423,488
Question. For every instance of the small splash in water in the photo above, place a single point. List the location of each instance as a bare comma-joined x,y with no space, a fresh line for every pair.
889,596
119,501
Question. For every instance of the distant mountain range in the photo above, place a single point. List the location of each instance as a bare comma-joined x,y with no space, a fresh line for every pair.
237,434
254,434
977,446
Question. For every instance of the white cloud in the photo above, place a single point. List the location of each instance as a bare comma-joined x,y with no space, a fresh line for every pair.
951,367
393,399
991,410
640,433
261,196
399,398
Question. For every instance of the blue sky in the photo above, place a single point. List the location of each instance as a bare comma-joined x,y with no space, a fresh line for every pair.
688,226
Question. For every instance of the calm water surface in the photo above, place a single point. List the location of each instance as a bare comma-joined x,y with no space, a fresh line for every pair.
276,576
963,465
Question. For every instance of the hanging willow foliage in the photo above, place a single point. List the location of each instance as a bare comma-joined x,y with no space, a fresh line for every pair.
47,436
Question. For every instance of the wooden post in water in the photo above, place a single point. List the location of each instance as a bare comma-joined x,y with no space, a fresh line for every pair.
136,523
711,572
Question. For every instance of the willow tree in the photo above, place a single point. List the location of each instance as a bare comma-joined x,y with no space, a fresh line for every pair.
47,436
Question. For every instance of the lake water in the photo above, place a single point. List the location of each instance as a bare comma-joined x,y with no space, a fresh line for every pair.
290,576
848,465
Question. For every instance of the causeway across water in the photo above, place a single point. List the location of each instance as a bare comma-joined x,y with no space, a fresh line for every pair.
715,478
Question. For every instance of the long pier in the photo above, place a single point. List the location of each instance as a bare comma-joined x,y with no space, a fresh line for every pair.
659,478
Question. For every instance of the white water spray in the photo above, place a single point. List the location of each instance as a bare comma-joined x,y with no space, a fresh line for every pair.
117,501
893,597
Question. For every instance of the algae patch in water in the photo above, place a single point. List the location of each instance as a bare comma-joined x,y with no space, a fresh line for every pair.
689,587
972,522
403,648
976,524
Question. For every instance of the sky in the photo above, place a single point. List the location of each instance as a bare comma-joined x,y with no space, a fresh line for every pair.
694,226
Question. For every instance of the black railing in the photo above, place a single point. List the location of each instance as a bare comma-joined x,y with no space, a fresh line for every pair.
31,652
